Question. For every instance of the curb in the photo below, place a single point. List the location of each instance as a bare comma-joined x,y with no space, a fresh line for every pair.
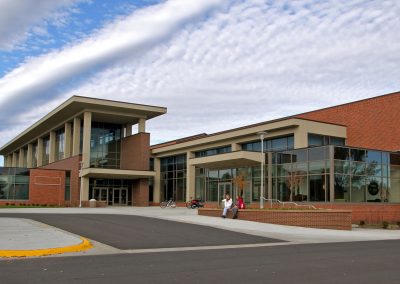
84,245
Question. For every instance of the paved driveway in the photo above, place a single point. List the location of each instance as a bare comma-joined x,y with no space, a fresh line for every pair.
136,232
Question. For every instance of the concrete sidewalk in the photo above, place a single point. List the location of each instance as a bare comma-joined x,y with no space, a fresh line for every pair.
287,233
25,237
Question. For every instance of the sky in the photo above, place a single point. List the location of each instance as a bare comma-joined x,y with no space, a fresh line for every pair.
215,64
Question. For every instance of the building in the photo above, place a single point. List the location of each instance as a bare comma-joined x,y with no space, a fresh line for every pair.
346,154
83,149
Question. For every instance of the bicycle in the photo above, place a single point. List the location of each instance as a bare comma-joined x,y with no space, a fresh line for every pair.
170,203
195,203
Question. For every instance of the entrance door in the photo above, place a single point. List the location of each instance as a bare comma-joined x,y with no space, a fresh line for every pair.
120,196
224,188
100,193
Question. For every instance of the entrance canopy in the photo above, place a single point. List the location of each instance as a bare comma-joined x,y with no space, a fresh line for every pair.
228,160
114,173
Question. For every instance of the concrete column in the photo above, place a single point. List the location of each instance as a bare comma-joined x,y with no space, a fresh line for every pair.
67,140
14,160
84,190
52,154
76,137
8,160
128,130
39,152
236,147
269,183
87,126
29,155
142,125
21,158
190,177
157,181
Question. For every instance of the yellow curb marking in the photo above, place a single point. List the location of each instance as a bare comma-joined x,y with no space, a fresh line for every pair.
84,245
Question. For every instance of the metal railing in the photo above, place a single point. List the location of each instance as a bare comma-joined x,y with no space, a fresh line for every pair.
283,203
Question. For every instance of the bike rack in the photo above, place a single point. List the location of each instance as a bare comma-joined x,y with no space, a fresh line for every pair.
283,203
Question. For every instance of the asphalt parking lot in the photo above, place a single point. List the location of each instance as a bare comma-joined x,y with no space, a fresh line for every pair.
356,262
135,232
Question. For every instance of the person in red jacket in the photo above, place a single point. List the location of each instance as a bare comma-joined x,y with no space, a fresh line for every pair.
238,205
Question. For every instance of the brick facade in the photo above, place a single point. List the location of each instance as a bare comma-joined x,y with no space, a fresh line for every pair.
322,219
140,192
135,152
47,187
70,164
371,123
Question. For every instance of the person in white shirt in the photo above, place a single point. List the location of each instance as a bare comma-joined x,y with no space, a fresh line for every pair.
227,205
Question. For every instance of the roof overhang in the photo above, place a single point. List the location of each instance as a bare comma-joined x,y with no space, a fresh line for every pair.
113,173
228,160
102,111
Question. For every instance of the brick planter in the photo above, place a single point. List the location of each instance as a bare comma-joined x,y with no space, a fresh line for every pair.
322,219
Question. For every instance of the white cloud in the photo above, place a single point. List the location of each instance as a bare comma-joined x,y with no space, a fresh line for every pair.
258,61
41,78
19,17
250,61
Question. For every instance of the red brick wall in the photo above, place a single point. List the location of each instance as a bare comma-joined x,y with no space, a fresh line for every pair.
69,164
135,152
367,212
140,192
322,219
371,123
46,187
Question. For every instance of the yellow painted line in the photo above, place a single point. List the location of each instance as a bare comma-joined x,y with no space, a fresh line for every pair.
84,245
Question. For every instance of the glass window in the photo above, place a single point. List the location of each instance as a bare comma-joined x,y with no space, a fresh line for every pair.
318,153
215,151
341,153
373,157
315,140
357,155
34,155
357,189
105,145
14,184
299,155
374,193
342,187
317,187
173,177
338,141
46,150
60,140
279,144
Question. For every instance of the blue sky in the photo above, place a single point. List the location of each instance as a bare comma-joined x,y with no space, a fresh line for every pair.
215,64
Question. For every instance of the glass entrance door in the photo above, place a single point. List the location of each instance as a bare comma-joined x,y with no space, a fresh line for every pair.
120,196
100,193
224,188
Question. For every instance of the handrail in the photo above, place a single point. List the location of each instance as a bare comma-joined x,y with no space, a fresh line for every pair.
271,200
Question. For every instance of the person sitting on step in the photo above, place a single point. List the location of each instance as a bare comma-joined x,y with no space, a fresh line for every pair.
227,205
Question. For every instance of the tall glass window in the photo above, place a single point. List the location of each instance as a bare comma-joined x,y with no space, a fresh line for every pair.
46,150
34,155
105,145
25,159
173,178
60,140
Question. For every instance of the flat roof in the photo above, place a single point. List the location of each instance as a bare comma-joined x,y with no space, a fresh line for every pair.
103,111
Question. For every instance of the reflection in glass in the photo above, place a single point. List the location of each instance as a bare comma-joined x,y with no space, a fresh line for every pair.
342,187
357,189
317,188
